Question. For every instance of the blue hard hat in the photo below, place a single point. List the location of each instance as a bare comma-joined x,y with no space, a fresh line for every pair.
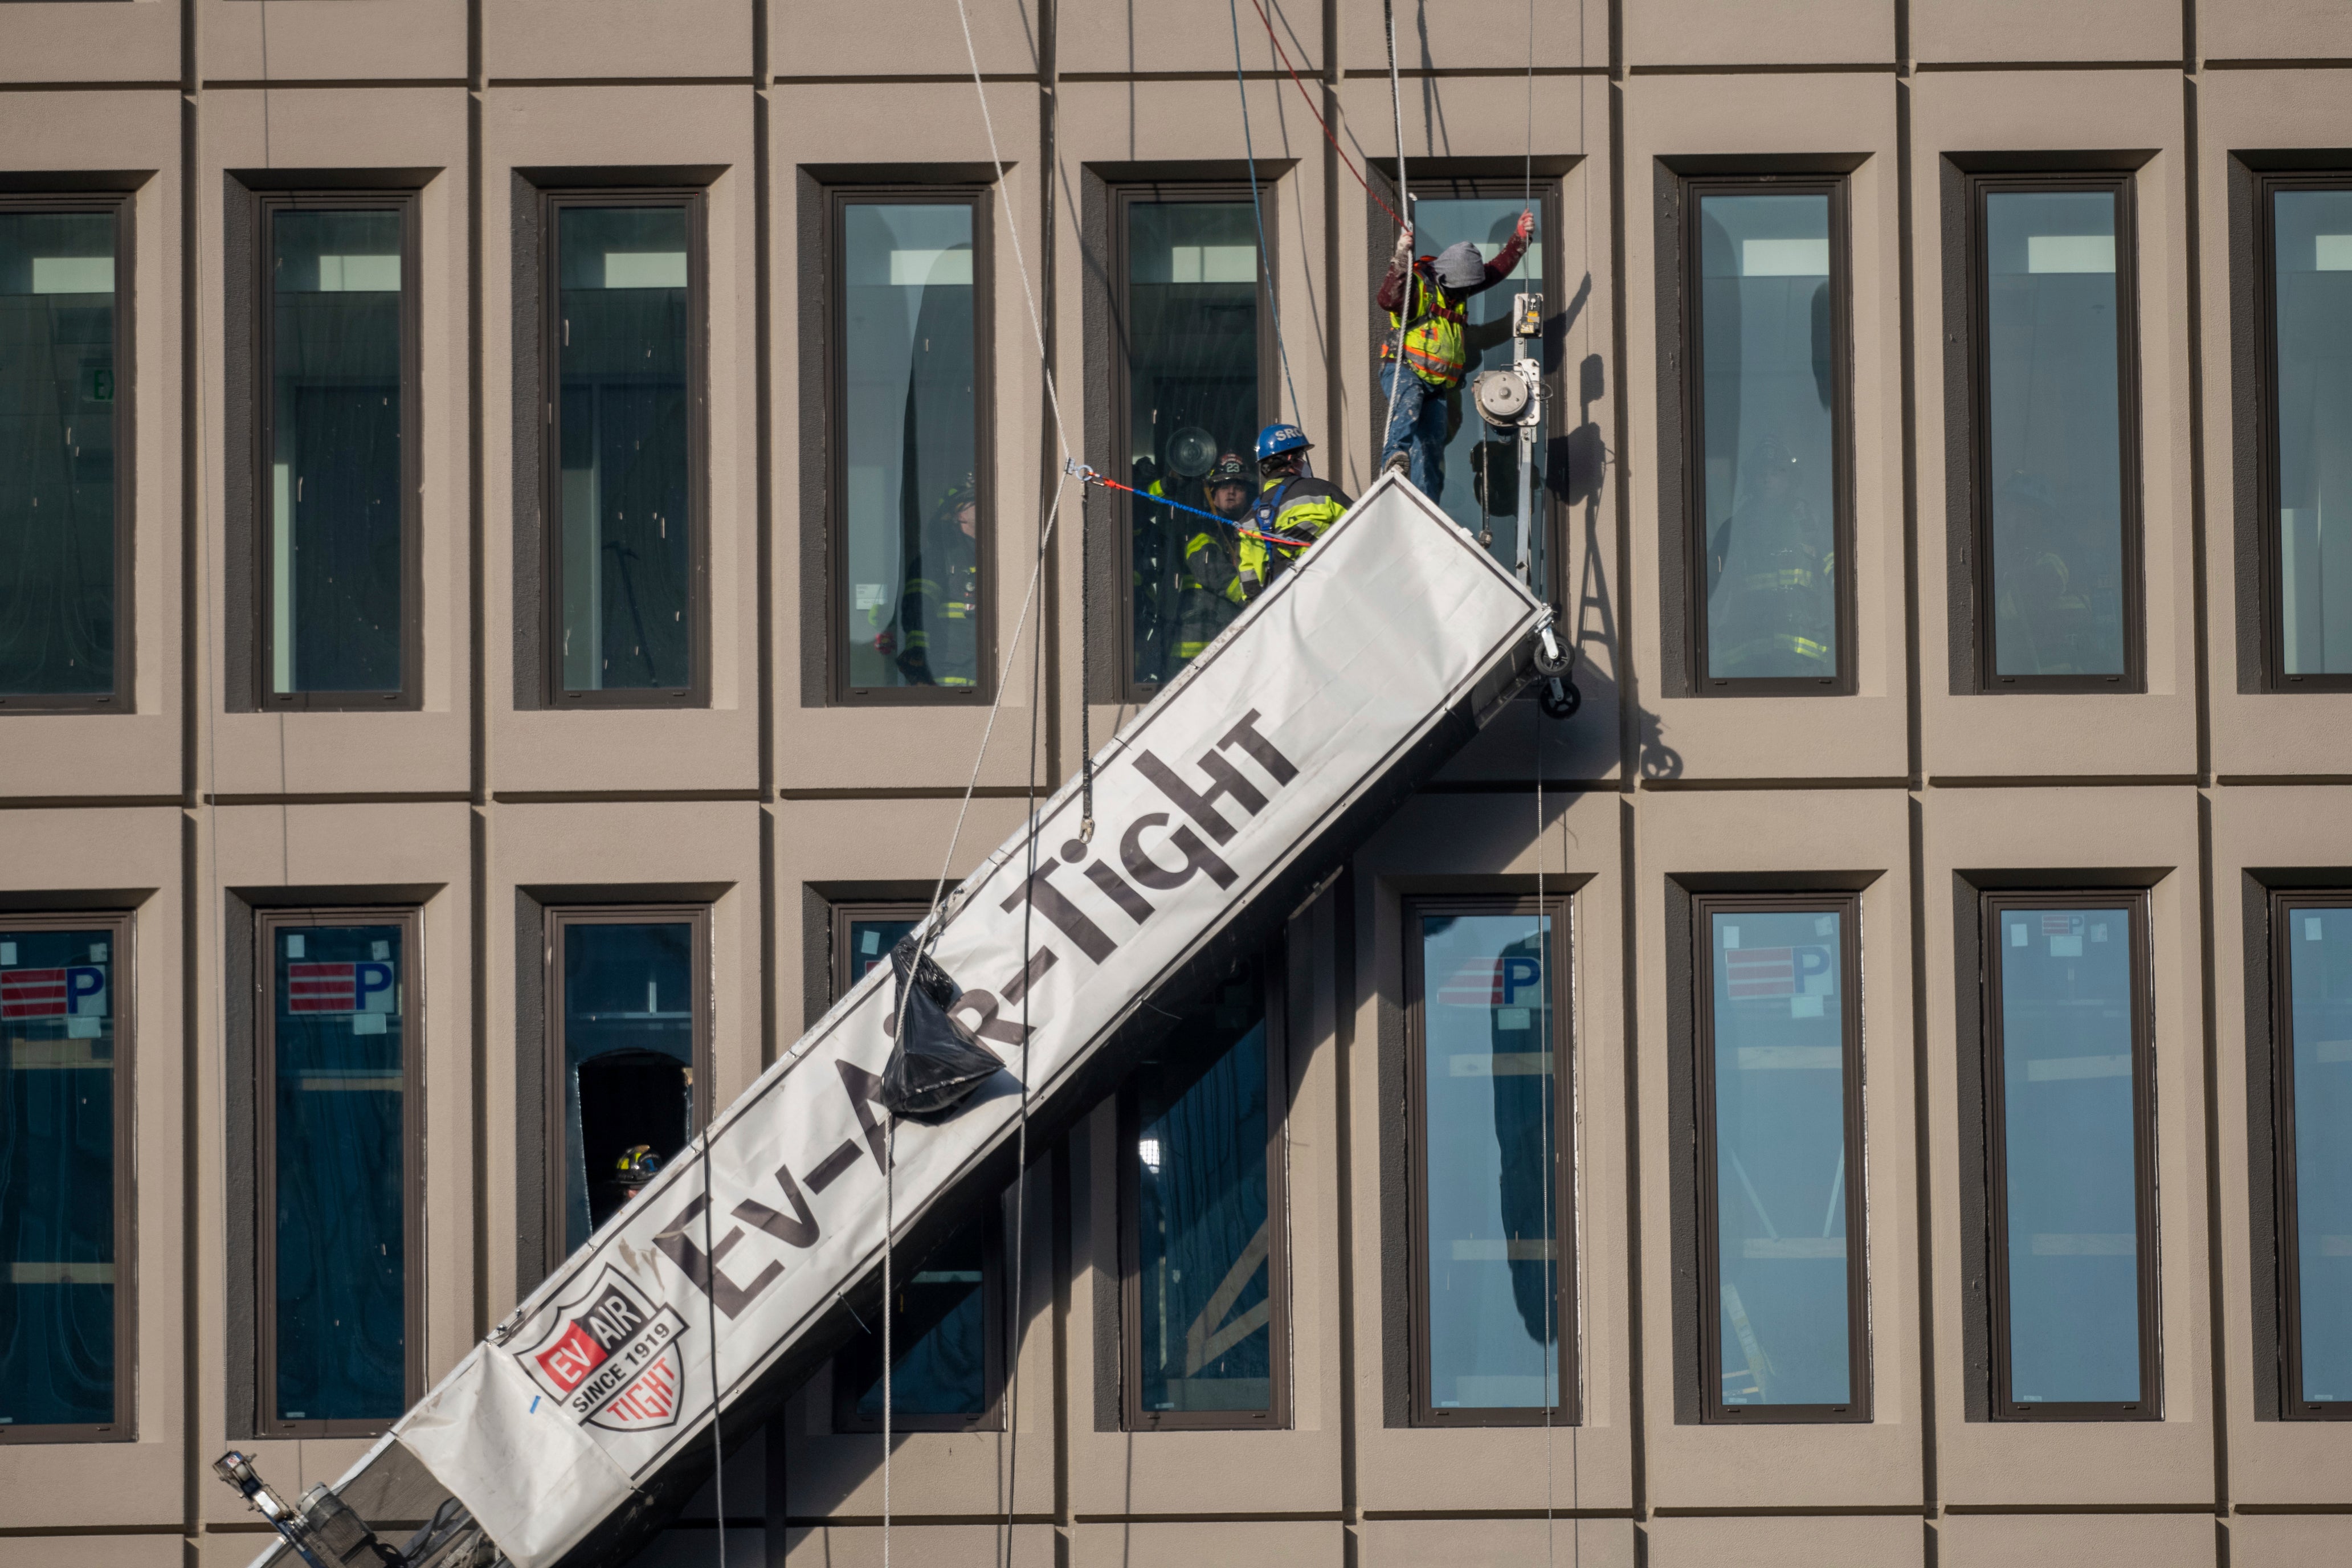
1275,439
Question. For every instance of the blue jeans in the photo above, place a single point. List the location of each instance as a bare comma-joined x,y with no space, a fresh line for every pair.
1418,429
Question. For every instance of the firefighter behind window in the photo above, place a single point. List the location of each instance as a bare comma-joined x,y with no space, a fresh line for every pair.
1212,579
939,611
1769,576
1423,297
1291,502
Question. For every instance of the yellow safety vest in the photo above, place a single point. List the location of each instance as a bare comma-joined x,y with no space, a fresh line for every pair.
1434,345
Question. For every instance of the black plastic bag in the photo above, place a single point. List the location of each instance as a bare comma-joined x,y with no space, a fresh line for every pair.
936,1062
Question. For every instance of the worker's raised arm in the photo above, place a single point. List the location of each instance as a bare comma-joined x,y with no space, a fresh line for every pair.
1508,259
1390,295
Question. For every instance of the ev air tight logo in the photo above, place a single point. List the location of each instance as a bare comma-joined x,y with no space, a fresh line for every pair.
611,1357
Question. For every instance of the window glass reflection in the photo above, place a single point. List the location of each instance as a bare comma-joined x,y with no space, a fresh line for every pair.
622,338
2319,964
2069,1146
335,492
912,576
340,1093
1768,383
938,1340
1489,1123
1780,1147
56,1177
628,1060
870,942
57,454
1489,503
1192,341
1202,1229
2312,249
2054,429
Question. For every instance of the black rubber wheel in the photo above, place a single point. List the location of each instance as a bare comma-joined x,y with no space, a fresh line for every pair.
1563,706
1552,668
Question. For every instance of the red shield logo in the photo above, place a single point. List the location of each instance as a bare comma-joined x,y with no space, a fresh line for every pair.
611,1356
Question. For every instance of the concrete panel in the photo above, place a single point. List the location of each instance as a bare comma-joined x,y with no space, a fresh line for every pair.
1865,1541
1697,737
676,1548
2275,30
813,41
2272,1541
2008,31
333,40
2076,1541
77,42
1464,35
2154,734
1990,832
1191,35
1741,32
158,1549
1496,1542
928,1545
556,40
1293,1545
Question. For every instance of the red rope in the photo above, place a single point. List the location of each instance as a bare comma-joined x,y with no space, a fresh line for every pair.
1345,162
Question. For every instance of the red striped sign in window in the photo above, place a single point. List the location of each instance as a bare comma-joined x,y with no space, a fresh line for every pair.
32,994
1493,983
322,988
1760,972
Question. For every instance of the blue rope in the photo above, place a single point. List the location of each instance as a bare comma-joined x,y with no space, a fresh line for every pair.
1089,477
1264,261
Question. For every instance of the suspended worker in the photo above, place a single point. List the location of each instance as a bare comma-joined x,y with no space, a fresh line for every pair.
1210,581
1427,397
938,610
1291,502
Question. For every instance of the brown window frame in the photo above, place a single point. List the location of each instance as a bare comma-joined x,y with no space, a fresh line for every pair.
1567,1407
121,698
1125,194
122,982
1842,446
703,1068
1276,1417
1847,907
847,913
699,524
2133,521
991,1416
2149,1406
2267,188
2283,905
980,198
266,923
410,697
845,1419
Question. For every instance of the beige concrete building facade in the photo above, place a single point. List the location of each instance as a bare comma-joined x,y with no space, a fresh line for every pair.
771,801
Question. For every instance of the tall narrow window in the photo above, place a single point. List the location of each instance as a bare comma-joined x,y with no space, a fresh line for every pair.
337,472
910,507
1491,1301
2309,469
2074,1222
625,351
2057,549
1779,1151
1481,466
631,1024
1190,362
340,1191
1771,542
2313,1014
65,1321
63,550
944,1336
1205,1337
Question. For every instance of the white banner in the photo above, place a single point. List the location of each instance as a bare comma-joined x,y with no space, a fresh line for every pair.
1315,694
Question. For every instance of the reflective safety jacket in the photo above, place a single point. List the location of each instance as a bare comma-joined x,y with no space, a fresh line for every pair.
938,617
1435,345
1210,589
1302,508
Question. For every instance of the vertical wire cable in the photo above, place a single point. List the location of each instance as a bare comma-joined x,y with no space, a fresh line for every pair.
1404,201
1552,1174
711,1315
1265,258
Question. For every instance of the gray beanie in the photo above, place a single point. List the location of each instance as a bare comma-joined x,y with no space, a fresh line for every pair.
1459,266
